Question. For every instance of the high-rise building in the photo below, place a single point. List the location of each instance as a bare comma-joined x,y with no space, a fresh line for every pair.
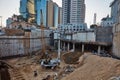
73,11
31,7
31,10
23,8
60,15
50,12
55,20
77,12
27,9
40,9
45,11
66,5
53,14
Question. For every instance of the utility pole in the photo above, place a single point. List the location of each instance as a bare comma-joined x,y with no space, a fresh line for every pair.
58,44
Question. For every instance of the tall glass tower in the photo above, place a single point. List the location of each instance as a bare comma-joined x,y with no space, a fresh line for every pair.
27,9
40,10
23,8
55,20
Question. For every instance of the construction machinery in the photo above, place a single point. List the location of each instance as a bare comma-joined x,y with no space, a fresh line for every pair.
46,61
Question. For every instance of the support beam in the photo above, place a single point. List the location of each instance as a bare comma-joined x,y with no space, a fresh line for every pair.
59,49
73,47
68,47
83,48
64,46
61,44
99,49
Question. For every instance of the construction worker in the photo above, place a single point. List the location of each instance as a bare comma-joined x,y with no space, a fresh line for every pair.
35,74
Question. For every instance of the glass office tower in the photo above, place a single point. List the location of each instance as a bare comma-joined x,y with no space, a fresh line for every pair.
40,10
23,8
56,9
27,9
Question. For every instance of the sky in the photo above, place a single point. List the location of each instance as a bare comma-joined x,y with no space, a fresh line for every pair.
101,7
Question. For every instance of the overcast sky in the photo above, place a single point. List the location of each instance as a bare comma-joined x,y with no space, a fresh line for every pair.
101,7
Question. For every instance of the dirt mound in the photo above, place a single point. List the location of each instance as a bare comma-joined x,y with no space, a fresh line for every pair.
96,68
71,57
13,32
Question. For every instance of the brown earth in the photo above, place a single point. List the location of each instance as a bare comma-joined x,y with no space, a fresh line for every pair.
88,67
71,57
95,68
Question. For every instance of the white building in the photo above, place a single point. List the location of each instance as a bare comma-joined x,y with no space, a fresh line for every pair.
107,22
73,27
85,36
73,11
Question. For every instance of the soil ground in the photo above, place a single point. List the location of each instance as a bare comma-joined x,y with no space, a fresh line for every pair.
88,67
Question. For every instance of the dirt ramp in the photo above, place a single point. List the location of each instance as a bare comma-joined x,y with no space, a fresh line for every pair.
71,57
96,68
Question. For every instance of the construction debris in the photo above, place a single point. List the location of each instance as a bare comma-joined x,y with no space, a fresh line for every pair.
13,32
115,78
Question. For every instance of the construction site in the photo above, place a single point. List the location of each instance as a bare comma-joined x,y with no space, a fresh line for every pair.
31,56
36,52
72,66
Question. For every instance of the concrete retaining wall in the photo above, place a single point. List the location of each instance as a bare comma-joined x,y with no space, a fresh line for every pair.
116,40
21,45
104,34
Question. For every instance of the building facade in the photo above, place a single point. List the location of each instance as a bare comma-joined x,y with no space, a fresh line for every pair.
8,22
73,11
31,10
114,11
116,29
50,12
107,22
60,15
66,5
27,9
77,12
23,8
40,9
55,15
73,27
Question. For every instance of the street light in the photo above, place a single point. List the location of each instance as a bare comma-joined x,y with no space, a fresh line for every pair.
1,21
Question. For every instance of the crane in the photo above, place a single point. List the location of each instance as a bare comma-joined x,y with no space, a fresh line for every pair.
43,49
